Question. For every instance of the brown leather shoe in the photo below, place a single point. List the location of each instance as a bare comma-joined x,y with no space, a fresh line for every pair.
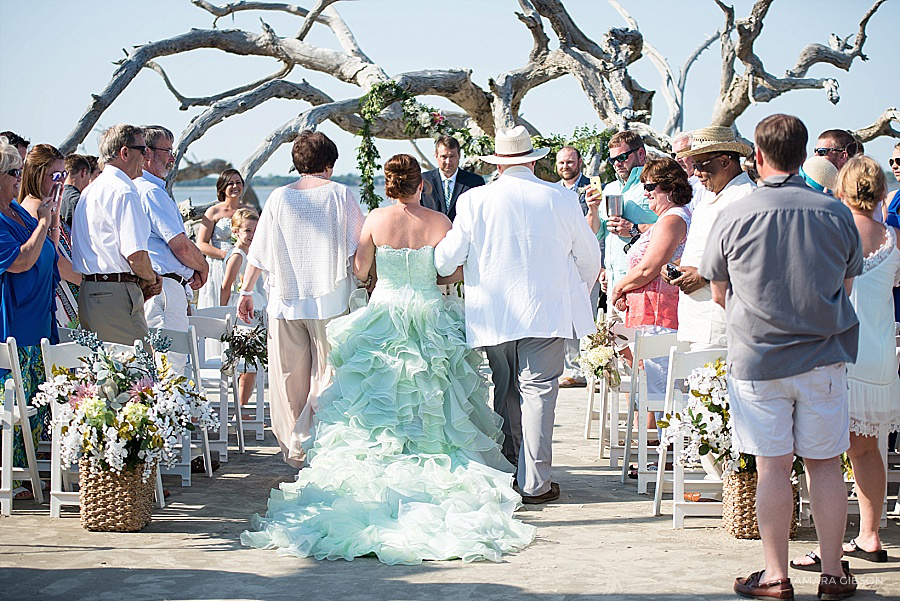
752,588
550,495
832,588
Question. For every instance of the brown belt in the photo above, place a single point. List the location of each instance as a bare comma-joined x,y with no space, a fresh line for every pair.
112,277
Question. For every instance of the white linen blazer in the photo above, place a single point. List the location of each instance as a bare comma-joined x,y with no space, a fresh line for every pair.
529,259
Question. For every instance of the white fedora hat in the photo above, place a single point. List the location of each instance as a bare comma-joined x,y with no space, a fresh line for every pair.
513,147
715,138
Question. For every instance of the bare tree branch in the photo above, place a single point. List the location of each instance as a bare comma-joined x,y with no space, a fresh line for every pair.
840,55
424,161
187,103
312,17
881,127
344,67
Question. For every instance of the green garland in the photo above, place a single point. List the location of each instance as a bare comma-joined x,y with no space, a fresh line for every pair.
424,121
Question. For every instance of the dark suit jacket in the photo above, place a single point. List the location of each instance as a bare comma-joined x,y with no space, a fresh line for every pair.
583,182
433,195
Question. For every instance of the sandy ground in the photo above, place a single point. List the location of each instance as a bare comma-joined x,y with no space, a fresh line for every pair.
597,542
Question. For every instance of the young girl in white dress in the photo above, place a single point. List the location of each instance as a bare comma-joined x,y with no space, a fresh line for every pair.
243,226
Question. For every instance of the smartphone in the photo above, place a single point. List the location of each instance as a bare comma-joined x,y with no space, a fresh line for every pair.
672,271
596,182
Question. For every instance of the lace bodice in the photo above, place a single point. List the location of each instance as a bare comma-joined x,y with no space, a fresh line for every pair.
877,257
221,236
404,268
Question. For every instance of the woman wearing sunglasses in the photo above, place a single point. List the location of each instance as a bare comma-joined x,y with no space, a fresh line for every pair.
43,178
650,303
28,278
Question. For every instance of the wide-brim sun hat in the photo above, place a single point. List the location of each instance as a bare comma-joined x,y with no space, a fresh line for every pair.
820,173
513,147
715,139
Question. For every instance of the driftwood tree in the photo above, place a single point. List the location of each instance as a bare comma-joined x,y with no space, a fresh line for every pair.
601,68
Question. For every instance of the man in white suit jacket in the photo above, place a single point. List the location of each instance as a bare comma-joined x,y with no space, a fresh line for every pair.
528,260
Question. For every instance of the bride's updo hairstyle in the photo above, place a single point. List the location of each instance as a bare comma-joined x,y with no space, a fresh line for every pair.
861,184
402,176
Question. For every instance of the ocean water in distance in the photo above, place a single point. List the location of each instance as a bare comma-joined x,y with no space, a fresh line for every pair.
206,195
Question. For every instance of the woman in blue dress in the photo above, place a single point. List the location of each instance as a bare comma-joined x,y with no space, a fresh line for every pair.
404,461
28,280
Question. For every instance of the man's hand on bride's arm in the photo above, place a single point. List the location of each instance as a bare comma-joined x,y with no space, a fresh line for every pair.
454,277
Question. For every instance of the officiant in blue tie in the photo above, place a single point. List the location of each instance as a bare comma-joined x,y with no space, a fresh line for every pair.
445,184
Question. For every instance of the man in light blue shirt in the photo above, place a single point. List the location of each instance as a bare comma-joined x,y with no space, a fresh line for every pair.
627,156
173,255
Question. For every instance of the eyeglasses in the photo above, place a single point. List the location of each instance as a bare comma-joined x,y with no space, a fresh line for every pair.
823,152
14,173
650,186
893,162
620,158
701,165
166,150
141,149
58,176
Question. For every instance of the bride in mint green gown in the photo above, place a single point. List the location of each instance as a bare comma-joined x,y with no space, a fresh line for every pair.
404,461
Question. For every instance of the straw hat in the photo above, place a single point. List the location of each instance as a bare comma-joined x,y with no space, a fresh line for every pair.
819,173
715,139
513,147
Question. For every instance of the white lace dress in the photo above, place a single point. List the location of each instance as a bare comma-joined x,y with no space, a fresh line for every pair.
874,384
221,239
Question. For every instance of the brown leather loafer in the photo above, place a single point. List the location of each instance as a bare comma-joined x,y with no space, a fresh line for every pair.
550,495
832,588
752,588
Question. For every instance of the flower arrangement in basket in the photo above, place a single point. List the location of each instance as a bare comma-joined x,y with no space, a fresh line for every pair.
707,424
245,344
599,353
120,410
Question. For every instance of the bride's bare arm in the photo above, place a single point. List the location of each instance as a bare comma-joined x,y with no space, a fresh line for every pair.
364,259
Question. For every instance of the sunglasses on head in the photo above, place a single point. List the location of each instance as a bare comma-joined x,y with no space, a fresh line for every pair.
893,162
650,186
620,158
823,152
58,176
14,173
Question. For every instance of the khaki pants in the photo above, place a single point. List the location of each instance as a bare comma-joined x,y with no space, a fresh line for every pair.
298,361
114,310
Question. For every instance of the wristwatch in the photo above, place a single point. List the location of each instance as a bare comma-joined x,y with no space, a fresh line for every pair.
634,231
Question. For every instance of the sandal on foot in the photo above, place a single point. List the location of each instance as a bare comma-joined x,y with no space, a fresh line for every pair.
20,493
879,556
816,565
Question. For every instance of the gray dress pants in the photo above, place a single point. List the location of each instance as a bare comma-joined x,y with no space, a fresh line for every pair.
525,374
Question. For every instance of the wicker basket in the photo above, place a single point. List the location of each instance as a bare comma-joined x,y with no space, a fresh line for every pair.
112,502
739,506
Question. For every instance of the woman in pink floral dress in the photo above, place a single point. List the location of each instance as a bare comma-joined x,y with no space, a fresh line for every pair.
651,303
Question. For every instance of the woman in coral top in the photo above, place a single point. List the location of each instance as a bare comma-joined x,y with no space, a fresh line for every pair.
649,302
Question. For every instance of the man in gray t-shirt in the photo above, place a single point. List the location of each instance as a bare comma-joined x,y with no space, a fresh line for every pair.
781,261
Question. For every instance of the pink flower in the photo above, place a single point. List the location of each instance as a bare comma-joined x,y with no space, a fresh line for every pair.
82,391
438,118
140,387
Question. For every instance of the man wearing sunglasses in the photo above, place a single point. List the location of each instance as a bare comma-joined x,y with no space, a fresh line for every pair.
109,243
838,146
715,157
173,255
627,155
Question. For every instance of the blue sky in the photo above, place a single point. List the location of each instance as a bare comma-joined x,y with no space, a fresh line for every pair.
58,52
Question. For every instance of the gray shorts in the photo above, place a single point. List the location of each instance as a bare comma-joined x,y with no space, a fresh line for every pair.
806,414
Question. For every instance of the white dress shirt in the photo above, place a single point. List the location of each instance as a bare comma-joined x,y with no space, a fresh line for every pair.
700,319
700,192
109,224
165,223
528,260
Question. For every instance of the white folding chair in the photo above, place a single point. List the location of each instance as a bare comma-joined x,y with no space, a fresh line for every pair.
257,424
186,344
681,364
16,412
67,355
641,403
210,373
